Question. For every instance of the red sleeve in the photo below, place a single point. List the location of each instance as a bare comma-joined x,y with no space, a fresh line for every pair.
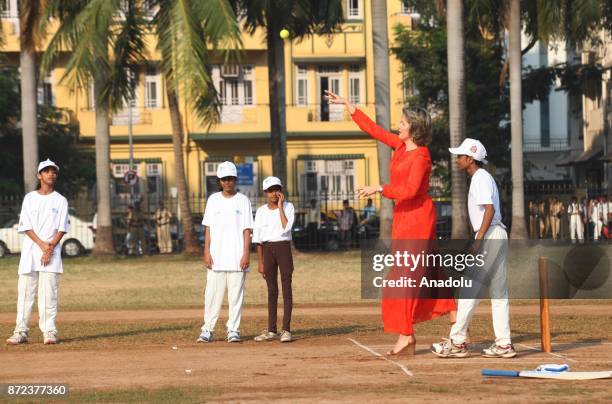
410,184
369,126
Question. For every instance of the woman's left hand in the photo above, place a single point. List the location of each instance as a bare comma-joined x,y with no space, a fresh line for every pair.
367,191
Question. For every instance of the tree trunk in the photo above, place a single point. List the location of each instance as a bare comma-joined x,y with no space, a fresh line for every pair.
29,128
456,109
519,228
191,243
104,232
278,119
383,107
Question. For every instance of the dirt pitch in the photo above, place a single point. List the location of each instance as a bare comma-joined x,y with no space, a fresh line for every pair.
138,356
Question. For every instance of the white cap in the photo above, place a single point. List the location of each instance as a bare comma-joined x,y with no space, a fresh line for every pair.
47,163
226,169
270,182
472,148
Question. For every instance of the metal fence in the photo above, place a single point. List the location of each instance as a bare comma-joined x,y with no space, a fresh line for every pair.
327,234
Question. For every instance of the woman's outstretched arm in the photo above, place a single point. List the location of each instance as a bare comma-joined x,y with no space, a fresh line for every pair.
364,122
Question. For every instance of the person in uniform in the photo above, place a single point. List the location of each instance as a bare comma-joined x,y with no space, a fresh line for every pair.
162,221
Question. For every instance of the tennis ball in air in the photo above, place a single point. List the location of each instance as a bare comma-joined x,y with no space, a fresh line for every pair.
284,33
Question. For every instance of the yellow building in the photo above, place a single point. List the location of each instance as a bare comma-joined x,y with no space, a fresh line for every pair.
326,150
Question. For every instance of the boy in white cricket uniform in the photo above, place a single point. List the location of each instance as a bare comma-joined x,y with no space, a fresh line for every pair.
44,220
485,217
272,234
228,218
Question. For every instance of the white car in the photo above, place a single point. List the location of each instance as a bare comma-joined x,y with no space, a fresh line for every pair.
79,239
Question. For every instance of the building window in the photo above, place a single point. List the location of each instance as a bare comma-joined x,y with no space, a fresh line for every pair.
333,177
301,77
353,9
152,88
154,178
235,84
356,83
407,7
9,9
45,91
234,92
222,98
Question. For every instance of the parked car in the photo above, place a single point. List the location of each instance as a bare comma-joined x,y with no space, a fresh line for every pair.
327,237
80,238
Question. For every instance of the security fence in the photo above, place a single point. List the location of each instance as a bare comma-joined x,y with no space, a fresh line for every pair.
344,220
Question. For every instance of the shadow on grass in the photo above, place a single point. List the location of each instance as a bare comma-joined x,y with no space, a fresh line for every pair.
128,333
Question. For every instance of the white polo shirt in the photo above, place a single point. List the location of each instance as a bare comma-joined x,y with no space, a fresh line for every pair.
45,215
483,191
268,226
227,219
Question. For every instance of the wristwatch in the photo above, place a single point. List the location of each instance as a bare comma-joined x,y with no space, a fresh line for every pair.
380,189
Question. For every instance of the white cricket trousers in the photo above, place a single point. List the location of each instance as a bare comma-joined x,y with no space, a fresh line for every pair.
47,284
576,228
500,307
216,283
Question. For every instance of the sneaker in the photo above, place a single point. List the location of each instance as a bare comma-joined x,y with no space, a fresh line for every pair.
285,336
447,349
233,336
206,336
266,336
50,338
499,351
19,337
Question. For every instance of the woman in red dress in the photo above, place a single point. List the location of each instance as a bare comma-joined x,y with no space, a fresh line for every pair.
414,216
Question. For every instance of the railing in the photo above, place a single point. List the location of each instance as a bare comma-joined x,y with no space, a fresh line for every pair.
551,145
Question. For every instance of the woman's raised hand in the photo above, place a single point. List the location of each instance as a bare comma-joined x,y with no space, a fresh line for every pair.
336,99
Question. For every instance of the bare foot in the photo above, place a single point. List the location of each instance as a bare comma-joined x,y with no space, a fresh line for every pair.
405,343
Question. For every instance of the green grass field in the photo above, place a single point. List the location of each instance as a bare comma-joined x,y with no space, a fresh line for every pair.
169,282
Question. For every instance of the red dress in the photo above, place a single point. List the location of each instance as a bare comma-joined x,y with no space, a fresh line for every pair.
414,218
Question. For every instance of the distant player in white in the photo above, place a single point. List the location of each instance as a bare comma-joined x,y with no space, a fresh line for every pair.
485,217
575,212
44,220
228,218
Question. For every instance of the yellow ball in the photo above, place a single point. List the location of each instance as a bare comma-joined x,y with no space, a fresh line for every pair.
284,33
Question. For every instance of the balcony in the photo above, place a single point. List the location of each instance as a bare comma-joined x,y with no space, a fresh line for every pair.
348,42
309,116
554,145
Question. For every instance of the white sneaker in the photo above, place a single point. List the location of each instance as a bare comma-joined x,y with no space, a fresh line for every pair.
233,336
266,336
285,336
498,351
51,338
206,336
447,349
19,337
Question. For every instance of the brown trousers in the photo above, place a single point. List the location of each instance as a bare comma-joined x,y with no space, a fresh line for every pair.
278,255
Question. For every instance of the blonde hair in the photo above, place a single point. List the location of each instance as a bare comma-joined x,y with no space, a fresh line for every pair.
420,125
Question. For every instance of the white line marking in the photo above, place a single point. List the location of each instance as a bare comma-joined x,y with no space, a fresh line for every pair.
550,353
373,352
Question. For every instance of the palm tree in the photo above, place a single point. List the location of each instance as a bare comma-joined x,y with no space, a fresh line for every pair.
383,112
301,18
519,228
87,30
30,37
184,29
456,106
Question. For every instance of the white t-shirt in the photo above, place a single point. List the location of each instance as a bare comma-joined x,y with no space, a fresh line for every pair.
227,218
45,215
268,226
483,191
